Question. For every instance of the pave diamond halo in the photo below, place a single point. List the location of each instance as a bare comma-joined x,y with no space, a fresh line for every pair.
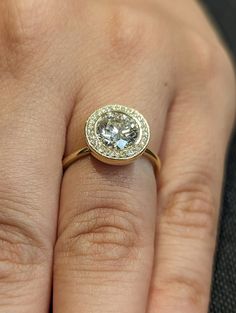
117,134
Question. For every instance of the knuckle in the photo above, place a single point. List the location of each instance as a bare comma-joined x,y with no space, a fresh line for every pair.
192,293
130,32
109,226
21,20
22,246
100,234
211,59
190,211
23,25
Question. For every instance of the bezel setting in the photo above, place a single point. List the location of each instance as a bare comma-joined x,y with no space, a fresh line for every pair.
108,153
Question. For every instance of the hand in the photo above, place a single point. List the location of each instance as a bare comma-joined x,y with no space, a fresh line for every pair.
124,243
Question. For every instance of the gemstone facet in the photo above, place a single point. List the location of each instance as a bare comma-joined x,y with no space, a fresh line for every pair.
116,132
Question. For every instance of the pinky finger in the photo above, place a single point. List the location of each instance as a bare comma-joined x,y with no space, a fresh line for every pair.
189,199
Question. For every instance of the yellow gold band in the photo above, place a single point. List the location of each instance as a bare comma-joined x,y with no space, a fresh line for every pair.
75,156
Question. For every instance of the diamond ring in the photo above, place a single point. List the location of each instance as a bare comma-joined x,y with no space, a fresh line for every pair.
115,135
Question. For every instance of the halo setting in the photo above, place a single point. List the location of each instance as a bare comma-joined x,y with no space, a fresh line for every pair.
117,134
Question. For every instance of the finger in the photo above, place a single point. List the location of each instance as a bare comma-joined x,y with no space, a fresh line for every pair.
30,171
104,252
193,154
32,128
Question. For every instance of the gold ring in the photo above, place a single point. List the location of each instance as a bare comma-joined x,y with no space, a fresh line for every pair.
116,135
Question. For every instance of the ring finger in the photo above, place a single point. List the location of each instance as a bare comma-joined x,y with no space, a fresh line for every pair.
105,249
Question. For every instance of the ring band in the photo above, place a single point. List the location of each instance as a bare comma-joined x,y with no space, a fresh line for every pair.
115,135
75,156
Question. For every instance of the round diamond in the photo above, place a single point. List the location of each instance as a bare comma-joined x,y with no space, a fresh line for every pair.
117,130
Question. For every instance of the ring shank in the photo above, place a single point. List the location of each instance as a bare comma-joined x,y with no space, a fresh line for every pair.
154,158
75,156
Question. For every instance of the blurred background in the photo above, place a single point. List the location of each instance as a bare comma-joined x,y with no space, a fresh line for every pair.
223,299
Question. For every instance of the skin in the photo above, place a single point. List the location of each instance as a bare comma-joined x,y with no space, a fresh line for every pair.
121,241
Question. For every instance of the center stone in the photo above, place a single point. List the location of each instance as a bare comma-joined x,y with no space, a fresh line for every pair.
117,130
